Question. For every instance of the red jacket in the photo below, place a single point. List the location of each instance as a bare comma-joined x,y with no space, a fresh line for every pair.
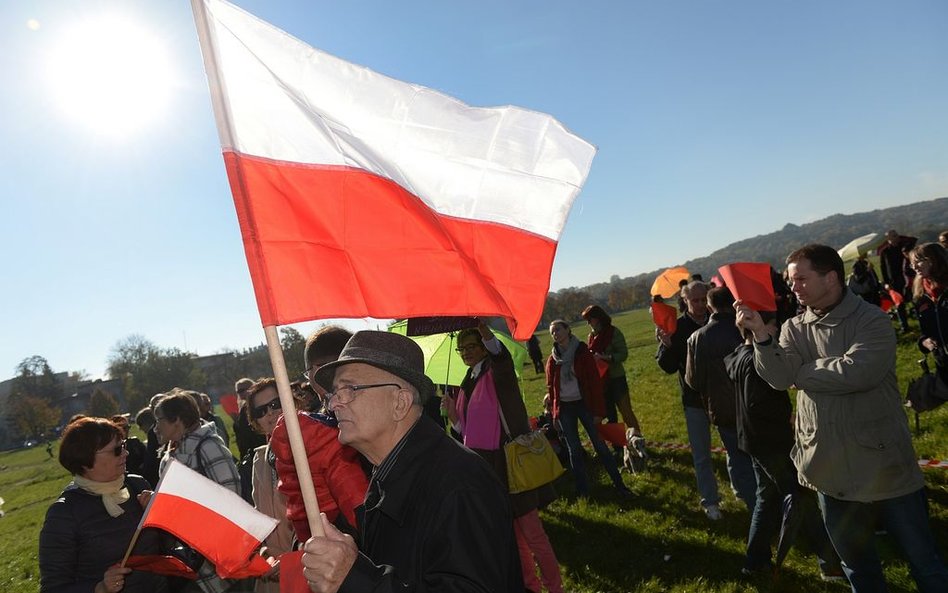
590,384
337,472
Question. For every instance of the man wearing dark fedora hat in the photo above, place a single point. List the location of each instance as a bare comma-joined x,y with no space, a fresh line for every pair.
435,517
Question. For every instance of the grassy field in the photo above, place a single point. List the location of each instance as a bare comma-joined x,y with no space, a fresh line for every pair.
658,541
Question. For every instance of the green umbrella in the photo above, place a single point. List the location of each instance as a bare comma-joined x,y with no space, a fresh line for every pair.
443,364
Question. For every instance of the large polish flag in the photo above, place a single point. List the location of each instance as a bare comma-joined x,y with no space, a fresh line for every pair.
213,520
363,196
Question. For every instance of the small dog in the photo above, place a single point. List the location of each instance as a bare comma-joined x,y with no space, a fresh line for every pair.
634,456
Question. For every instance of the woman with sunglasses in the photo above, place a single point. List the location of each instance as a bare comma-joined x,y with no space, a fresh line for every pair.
88,528
196,444
263,405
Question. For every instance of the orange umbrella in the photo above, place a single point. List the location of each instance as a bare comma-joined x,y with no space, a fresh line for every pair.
666,285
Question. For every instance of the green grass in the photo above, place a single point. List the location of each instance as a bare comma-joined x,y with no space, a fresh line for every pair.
659,541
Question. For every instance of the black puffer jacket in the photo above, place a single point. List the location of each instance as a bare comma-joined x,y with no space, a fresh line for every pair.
80,540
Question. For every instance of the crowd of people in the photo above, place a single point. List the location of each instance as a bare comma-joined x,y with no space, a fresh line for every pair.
406,504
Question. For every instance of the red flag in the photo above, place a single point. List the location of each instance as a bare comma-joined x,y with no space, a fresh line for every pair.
896,296
885,303
213,520
167,565
413,203
665,317
613,432
750,282
229,403
603,367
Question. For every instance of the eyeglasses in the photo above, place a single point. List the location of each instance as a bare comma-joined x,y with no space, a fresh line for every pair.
346,393
117,450
262,410
467,348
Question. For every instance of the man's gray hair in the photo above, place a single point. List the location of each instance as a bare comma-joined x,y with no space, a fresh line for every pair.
694,285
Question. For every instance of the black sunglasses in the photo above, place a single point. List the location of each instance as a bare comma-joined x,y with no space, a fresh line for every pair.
261,411
116,450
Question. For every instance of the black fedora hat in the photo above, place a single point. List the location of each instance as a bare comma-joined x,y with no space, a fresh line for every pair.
388,351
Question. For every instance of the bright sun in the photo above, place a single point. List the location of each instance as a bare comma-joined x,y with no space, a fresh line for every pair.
110,75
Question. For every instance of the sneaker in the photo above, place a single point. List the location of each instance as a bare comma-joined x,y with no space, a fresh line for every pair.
638,443
833,575
713,512
753,572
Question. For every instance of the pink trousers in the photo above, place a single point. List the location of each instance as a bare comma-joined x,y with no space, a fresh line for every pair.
535,550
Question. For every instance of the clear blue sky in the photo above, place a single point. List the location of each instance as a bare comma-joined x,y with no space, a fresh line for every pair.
715,121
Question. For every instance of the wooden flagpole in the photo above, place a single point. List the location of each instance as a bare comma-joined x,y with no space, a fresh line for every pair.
293,431
224,119
138,530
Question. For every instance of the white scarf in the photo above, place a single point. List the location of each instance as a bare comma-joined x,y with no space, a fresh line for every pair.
113,493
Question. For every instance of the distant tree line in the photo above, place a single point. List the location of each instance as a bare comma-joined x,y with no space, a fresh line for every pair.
144,369
924,220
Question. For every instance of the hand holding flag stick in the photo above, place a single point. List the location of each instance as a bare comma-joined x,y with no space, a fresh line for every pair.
749,319
146,496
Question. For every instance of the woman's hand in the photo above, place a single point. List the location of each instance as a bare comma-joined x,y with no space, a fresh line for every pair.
274,573
450,408
929,344
113,580
144,496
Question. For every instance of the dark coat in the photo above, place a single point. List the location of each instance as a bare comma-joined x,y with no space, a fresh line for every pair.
515,413
151,461
136,457
933,322
892,262
705,371
764,428
80,540
442,523
247,438
671,359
